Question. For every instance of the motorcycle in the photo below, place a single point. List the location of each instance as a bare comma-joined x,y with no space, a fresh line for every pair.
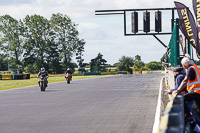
68,78
43,83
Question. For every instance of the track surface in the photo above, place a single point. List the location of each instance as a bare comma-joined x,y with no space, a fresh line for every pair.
113,104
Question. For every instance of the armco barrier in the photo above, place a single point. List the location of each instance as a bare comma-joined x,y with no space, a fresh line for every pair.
6,76
14,77
109,73
144,72
136,72
92,73
20,76
26,76
80,74
123,72
172,120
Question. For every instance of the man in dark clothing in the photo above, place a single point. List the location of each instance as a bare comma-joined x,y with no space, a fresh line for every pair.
68,71
179,76
43,73
192,81
191,73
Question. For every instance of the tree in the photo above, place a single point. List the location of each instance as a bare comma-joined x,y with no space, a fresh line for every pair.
79,55
38,34
98,64
32,68
137,58
40,42
153,65
53,59
139,66
11,41
3,62
125,63
66,36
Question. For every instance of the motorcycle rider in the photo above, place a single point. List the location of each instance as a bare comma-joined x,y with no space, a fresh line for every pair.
68,71
43,73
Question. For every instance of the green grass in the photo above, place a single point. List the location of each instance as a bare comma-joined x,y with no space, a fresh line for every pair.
10,84
113,69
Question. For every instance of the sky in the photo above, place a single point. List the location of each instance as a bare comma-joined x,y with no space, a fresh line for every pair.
103,33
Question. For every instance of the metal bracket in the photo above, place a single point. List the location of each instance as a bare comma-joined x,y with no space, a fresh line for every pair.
160,41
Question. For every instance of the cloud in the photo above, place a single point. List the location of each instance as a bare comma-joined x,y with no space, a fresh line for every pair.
92,31
89,26
104,34
15,2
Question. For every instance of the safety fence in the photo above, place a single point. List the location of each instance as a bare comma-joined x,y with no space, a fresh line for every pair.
27,76
172,120
14,77
102,73
148,72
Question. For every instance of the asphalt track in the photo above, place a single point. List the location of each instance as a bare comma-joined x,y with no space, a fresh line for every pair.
113,104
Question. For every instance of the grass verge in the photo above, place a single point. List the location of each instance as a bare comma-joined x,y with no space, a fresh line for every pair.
10,84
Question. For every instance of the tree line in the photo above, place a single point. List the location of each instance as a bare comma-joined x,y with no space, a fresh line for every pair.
35,42
131,64
125,63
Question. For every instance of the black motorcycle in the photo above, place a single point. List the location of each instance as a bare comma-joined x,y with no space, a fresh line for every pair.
43,83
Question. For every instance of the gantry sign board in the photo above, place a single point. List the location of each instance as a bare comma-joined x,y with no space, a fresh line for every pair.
147,20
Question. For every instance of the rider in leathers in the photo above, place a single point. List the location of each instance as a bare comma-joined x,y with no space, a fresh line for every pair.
43,73
68,71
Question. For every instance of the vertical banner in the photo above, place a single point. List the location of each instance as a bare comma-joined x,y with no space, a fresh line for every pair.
196,7
183,45
187,25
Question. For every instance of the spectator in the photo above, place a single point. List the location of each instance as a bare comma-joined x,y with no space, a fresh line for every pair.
188,56
192,80
179,76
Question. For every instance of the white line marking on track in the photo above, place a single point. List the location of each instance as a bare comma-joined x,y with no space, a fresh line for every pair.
157,115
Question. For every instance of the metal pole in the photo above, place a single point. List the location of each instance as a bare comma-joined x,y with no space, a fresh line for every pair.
189,48
172,19
121,10
177,43
160,41
124,23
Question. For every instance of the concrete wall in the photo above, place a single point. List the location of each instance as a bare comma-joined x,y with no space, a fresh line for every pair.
170,78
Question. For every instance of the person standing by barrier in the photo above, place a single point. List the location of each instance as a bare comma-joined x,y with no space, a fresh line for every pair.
179,76
192,80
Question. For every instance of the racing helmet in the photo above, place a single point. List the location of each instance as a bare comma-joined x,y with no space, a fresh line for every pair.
42,69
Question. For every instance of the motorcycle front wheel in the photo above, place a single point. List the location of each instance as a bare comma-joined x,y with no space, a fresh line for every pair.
68,80
42,86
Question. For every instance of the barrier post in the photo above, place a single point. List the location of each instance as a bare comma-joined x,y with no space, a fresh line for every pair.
172,120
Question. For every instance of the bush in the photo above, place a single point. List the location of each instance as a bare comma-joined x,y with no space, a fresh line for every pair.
138,66
153,65
32,68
